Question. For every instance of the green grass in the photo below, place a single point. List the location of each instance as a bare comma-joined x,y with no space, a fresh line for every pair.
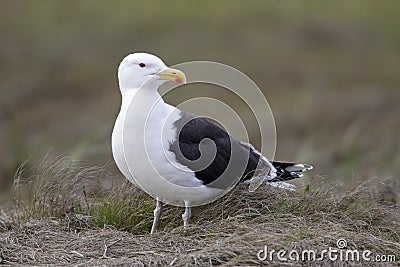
124,210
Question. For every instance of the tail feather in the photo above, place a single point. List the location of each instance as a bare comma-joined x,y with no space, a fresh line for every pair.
286,171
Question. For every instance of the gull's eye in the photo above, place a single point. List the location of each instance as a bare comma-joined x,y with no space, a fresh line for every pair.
142,65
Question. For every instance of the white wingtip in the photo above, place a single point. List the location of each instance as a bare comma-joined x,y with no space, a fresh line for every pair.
299,168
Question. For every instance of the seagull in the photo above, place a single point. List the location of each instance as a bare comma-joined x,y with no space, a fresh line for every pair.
178,157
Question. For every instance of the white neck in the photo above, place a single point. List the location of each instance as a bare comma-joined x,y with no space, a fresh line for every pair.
143,99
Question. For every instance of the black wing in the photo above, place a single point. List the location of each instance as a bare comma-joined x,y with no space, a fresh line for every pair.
207,149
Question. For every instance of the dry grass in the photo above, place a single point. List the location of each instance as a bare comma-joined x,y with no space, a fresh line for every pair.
58,221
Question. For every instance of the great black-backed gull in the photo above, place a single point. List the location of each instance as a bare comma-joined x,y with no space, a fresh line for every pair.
175,156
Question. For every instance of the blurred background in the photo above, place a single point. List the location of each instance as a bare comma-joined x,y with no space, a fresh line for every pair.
330,71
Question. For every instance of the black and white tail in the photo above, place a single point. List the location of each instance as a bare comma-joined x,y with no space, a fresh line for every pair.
286,171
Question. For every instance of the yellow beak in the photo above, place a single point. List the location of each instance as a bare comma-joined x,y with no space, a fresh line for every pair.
172,75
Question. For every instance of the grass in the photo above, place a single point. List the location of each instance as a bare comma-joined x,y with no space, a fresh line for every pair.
64,216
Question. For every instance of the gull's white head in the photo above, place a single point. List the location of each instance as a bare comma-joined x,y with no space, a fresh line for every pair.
142,70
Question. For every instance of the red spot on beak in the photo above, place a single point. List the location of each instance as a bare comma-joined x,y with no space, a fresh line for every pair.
179,80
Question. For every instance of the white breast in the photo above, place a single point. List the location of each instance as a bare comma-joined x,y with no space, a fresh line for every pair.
147,131
116,138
